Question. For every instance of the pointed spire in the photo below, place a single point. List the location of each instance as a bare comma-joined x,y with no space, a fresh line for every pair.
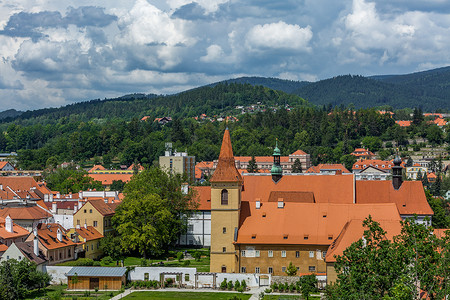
226,169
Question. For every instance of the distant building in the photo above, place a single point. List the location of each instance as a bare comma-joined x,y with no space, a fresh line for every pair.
26,250
404,123
412,172
96,213
107,177
328,169
178,163
362,153
373,173
163,120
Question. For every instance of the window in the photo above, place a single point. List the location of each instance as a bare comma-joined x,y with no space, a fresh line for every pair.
78,222
270,270
224,269
243,253
186,277
20,257
84,211
92,247
224,230
243,270
190,228
60,255
297,254
312,268
224,249
224,197
257,253
257,270
283,269
270,253
68,253
311,253
90,211
146,276
95,223
283,253
324,253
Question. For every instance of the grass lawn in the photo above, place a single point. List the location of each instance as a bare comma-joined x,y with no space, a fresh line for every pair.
60,292
185,296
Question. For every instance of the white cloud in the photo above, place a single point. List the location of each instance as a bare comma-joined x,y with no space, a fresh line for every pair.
210,6
213,53
279,36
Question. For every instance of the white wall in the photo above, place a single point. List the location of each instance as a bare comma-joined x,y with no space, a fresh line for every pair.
58,273
65,220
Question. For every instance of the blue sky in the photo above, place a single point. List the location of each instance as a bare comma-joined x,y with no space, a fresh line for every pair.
56,52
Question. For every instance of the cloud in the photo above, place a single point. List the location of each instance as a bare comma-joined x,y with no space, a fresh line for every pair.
89,16
214,53
279,36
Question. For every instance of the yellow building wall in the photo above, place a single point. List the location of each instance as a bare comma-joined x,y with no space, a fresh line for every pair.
90,215
331,273
224,221
92,249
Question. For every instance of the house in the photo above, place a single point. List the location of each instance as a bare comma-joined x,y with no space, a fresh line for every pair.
362,153
178,163
330,169
203,169
96,213
10,232
53,242
262,222
372,173
88,240
27,215
96,278
163,120
21,189
412,172
384,165
6,166
26,250
199,224
404,123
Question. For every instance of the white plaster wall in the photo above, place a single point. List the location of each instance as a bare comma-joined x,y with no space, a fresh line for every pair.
154,274
65,220
58,273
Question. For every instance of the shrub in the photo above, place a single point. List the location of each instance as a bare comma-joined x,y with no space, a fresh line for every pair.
169,282
237,285
230,285
144,262
240,289
244,284
107,260
186,263
281,287
180,256
274,286
97,264
291,287
223,284
197,255
268,291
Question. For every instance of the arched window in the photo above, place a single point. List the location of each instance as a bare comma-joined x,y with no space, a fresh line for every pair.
224,197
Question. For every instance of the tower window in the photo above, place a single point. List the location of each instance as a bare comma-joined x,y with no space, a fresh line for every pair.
224,197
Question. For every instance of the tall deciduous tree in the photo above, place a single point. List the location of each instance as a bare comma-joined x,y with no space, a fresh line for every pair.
153,213
297,166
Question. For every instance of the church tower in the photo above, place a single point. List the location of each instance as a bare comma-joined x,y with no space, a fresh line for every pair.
226,186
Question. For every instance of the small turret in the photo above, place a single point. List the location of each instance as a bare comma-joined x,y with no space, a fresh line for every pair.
276,171
397,169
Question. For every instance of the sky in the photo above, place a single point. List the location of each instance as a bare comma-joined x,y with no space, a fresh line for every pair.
57,52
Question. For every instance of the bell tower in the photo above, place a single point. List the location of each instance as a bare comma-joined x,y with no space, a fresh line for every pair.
226,186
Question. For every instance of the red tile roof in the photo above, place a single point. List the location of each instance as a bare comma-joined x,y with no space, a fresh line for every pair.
299,152
326,188
404,123
18,231
25,213
318,168
106,209
3,164
410,198
47,235
226,169
440,122
304,223
354,230
379,164
89,233
96,167
203,197
108,178
3,247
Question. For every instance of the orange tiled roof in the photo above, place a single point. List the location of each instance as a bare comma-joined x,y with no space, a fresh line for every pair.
108,178
354,230
440,233
3,247
379,164
244,171
431,175
18,231
203,197
440,122
21,186
89,233
25,213
404,123
226,169
106,209
261,159
144,118
140,167
3,164
433,114
318,168
326,188
304,223
47,235
299,152
410,198
96,167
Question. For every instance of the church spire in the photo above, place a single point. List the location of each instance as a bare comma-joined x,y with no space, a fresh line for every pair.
226,169
276,171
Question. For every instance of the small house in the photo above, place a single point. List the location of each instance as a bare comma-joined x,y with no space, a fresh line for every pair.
91,278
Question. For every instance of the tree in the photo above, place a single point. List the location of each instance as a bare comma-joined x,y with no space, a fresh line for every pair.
425,180
308,285
18,278
117,185
435,135
252,166
297,166
153,213
409,162
417,116
291,270
70,179
419,176
372,143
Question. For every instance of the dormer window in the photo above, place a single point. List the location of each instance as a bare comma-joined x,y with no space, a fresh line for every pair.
224,197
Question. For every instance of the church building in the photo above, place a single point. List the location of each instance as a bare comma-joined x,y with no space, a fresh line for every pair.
260,223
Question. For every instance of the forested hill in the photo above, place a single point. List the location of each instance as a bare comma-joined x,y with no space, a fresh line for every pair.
220,99
287,86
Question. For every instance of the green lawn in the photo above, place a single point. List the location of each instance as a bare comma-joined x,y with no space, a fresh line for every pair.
60,292
286,297
185,296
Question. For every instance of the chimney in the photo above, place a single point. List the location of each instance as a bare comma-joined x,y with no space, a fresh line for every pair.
54,207
280,203
80,194
339,172
35,231
258,203
9,224
36,246
85,225
78,226
75,208
59,235
397,169
106,200
185,188
58,195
